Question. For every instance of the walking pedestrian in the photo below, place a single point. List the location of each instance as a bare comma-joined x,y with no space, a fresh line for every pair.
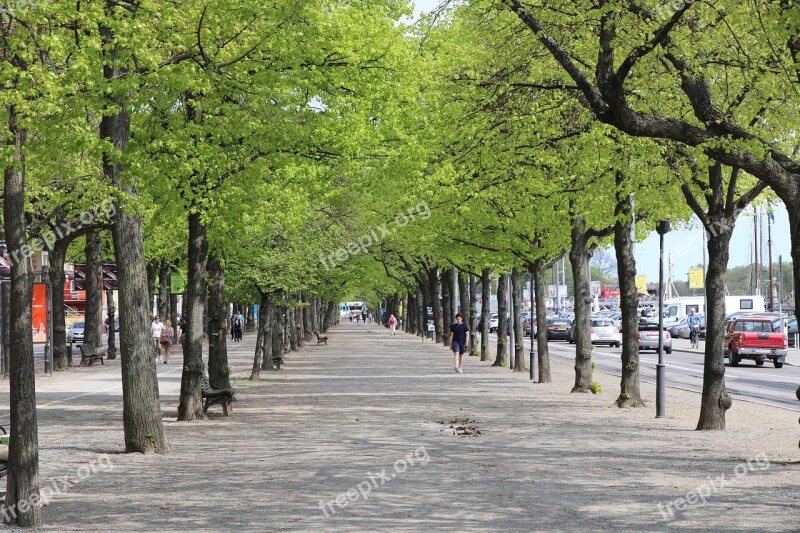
237,328
240,332
167,339
156,328
392,323
233,326
459,337
182,331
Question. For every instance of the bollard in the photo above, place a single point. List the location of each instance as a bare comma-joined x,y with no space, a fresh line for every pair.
69,354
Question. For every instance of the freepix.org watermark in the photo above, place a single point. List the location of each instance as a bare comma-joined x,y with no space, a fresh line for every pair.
102,211
363,489
712,487
375,235
57,486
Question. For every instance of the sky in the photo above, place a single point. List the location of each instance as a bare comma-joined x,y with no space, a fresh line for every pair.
685,245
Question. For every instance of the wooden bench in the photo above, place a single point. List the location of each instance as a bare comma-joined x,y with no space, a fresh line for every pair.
89,357
212,396
321,340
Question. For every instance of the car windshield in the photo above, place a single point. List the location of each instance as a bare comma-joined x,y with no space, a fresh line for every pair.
78,325
601,323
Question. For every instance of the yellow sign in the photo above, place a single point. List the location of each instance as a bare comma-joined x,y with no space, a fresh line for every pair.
696,276
641,283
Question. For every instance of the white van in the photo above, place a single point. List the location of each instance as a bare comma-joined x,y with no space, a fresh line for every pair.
676,309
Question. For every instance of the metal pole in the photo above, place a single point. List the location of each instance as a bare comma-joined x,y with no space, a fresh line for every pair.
533,321
663,227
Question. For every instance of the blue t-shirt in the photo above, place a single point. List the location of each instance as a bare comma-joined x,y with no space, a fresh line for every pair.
459,332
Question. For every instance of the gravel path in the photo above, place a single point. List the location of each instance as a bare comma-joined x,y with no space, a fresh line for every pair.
357,436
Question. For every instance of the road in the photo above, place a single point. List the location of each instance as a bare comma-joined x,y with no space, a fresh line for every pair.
766,384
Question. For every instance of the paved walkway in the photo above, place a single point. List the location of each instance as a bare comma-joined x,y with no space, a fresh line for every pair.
375,432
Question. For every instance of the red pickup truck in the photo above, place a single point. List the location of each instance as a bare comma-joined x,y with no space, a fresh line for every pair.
754,337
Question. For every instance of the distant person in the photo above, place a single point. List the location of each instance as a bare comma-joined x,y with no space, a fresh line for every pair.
459,336
167,339
237,328
156,328
358,319
232,322
393,324
351,318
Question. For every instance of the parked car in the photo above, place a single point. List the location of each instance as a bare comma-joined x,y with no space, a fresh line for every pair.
791,331
754,337
526,327
682,330
601,331
558,329
494,320
648,338
75,332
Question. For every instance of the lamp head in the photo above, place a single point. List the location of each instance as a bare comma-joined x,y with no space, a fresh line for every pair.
663,227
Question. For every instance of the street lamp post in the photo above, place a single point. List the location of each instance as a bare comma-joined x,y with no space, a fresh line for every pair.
662,228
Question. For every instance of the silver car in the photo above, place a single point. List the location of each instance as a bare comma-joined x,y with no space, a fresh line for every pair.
75,332
648,339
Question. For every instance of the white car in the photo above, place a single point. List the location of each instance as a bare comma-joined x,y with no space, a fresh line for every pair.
494,320
75,332
603,331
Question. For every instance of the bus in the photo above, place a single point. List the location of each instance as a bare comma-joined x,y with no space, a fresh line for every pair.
347,309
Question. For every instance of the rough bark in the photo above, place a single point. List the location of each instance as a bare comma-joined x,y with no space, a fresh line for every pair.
218,369
502,323
269,331
277,336
23,456
630,395
291,329
435,301
579,259
112,326
473,311
486,299
93,329
191,402
263,326
309,334
447,305
152,274
543,357
421,321
519,343
58,255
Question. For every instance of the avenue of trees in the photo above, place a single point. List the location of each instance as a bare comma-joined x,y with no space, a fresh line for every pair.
291,154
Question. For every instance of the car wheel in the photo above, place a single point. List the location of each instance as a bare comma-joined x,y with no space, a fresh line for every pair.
734,356
668,350
571,341
617,345
759,362
777,364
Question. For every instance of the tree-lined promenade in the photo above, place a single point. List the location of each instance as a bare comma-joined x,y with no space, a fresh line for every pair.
254,147
337,417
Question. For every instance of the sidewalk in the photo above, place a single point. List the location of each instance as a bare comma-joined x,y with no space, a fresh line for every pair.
357,436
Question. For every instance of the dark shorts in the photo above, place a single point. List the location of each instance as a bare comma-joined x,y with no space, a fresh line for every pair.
459,347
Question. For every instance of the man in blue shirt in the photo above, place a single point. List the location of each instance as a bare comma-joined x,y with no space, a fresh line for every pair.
459,337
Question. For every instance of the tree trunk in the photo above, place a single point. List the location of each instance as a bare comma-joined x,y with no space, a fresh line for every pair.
519,342
422,323
5,293
436,304
447,305
23,457
141,412
191,401
152,274
543,357
57,281
502,322
629,395
277,336
291,327
93,328
486,299
269,331
258,358
173,307
218,369
112,326
579,259
163,290
715,400
472,295
307,326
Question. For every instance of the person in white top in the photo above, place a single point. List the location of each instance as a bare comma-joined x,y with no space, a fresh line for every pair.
155,331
